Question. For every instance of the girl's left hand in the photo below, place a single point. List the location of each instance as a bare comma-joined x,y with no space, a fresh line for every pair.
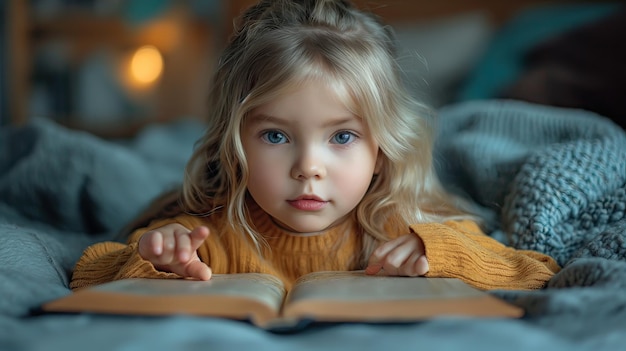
403,256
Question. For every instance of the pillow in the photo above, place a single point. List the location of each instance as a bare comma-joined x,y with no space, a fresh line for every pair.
502,62
581,68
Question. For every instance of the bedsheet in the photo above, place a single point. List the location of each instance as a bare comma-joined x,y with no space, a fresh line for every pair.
545,178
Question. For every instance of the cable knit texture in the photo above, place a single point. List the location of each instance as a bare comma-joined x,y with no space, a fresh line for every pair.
552,180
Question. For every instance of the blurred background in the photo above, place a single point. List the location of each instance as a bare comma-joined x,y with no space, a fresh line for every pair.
112,66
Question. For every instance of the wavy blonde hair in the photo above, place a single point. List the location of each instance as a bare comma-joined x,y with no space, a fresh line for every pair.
279,44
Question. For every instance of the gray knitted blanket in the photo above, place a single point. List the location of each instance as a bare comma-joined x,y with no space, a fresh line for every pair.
546,179
550,179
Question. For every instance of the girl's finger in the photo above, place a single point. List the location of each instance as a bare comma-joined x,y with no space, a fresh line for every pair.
169,245
151,245
398,256
381,252
183,247
421,266
373,268
198,270
197,236
410,267
389,269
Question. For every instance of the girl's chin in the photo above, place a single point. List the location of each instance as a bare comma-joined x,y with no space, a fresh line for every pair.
300,230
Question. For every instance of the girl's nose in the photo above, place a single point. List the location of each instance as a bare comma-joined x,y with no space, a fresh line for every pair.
309,164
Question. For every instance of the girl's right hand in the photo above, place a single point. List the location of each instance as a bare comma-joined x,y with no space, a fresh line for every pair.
172,248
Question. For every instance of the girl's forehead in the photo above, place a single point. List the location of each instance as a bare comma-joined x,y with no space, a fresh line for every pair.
339,86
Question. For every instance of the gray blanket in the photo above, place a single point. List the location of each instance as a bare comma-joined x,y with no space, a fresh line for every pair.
546,179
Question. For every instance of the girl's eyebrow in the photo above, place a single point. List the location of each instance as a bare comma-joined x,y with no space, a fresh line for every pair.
261,118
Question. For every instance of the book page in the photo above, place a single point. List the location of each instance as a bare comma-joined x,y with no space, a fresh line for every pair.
357,285
257,286
253,296
355,296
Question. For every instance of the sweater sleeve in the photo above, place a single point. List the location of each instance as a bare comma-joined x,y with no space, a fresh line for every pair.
107,261
461,250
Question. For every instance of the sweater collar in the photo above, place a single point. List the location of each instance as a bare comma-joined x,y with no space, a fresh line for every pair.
282,239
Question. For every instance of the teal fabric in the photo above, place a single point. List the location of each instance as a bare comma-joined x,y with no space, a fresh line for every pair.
502,62
138,12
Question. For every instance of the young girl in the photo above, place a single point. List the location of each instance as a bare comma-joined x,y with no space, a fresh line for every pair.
315,158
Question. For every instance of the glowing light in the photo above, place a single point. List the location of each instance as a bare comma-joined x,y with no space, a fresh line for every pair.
146,65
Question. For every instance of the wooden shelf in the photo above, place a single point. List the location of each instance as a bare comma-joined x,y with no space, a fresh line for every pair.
18,61
79,26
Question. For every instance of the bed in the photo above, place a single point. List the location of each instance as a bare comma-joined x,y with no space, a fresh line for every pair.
546,178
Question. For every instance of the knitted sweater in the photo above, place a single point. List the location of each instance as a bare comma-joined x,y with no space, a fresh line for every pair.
454,249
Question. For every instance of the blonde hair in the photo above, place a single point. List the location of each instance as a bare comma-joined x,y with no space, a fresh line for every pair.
281,43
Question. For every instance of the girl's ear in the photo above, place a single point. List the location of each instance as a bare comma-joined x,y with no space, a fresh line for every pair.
379,162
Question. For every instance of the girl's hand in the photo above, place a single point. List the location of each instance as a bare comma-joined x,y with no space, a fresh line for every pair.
403,256
172,248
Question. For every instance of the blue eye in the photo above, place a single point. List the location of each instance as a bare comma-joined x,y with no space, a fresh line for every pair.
274,137
343,137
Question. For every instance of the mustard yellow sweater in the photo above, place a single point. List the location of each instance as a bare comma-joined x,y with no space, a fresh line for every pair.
454,249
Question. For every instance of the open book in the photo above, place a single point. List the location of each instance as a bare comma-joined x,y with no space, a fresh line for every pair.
319,296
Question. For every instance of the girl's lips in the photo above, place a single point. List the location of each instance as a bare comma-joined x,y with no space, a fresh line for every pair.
308,204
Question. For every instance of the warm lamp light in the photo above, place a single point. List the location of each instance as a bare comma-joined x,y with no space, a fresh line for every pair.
146,65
